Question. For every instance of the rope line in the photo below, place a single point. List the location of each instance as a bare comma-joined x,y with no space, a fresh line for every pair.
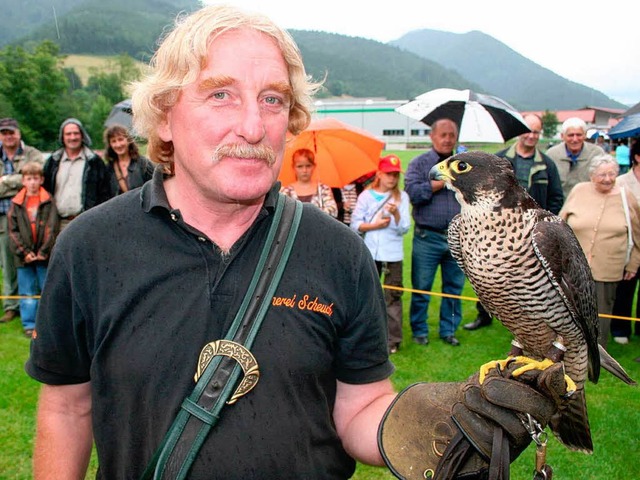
388,287
475,299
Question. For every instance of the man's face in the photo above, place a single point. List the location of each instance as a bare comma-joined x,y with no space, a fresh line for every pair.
10,138
72,137
530,140
444,137
574,139
240,99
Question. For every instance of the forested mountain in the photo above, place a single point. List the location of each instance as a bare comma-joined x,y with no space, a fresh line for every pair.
364,68
497,68
23,16
110,27
352,66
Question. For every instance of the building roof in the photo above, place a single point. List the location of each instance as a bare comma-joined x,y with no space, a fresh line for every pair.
589,116
632,110
613,111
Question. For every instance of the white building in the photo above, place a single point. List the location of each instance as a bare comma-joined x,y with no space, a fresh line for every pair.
378,117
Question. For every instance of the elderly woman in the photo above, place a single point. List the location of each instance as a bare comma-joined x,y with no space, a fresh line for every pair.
595,210
305,188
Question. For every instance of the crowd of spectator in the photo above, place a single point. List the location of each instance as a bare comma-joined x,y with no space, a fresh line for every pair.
40,196
75,178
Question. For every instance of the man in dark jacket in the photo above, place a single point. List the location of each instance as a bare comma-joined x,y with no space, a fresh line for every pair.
535,172
75,175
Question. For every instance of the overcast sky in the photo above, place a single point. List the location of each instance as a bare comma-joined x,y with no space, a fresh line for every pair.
582,41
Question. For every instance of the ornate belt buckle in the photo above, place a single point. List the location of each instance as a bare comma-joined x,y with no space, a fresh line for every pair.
237,352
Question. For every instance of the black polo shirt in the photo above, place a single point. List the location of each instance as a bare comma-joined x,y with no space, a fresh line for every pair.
133,294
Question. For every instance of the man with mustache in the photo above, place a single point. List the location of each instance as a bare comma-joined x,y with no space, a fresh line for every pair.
137,286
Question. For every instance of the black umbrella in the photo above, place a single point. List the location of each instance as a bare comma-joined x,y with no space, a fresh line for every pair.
480,118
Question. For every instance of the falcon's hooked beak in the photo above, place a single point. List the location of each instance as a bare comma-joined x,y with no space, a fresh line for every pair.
440,171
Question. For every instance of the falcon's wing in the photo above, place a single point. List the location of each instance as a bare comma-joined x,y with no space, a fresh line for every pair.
561,255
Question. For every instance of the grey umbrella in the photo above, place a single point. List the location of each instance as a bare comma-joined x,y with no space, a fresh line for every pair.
120,114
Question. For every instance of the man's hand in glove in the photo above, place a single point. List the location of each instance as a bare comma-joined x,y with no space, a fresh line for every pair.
466,426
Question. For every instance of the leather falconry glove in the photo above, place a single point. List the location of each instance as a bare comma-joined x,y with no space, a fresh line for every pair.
467,430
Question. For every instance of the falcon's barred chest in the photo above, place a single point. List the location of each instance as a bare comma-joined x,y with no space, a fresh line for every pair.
495,249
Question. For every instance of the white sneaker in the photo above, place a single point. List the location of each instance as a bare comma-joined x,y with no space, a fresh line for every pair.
621,340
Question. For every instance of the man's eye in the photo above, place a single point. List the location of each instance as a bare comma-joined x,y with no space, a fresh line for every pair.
273,100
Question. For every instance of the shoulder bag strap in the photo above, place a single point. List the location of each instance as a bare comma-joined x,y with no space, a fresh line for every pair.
222,363
382,204
373,215
627,217
121,180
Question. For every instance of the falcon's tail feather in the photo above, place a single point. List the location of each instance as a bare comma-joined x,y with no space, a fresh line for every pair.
612,366
571,424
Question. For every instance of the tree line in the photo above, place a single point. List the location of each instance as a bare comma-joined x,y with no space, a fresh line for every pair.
40,92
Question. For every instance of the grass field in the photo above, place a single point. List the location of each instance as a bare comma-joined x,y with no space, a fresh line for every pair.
84,64
613,406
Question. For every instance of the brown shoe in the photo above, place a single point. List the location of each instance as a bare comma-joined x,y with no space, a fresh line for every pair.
28,332
8,316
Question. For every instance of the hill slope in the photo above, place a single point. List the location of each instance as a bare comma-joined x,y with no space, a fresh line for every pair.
18,22
113,27
496,67
365,68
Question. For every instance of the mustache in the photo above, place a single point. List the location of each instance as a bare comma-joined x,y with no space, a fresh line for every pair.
260,152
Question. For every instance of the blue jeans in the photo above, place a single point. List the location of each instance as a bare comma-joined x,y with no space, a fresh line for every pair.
30,282
430,251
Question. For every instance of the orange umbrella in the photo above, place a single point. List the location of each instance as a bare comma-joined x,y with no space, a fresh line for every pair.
343,153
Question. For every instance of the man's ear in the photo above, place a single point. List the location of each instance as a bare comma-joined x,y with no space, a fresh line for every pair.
164,128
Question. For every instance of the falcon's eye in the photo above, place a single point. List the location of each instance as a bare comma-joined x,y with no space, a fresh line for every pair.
460,166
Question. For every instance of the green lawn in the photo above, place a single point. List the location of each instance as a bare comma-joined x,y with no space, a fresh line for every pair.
613,406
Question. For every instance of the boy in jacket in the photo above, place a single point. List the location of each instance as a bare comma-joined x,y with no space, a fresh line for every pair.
33,226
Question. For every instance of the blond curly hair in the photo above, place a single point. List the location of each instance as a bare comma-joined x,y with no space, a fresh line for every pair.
182,56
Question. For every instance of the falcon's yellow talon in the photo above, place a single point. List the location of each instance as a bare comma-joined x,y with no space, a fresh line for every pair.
527,365
531,364
500,364
571,385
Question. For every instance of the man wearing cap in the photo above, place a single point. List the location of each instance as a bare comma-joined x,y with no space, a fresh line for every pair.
14,154
433,208
75,175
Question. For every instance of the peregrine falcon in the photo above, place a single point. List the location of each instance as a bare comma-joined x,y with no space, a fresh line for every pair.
527,268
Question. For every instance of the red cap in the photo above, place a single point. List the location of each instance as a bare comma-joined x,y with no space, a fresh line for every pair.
389,164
